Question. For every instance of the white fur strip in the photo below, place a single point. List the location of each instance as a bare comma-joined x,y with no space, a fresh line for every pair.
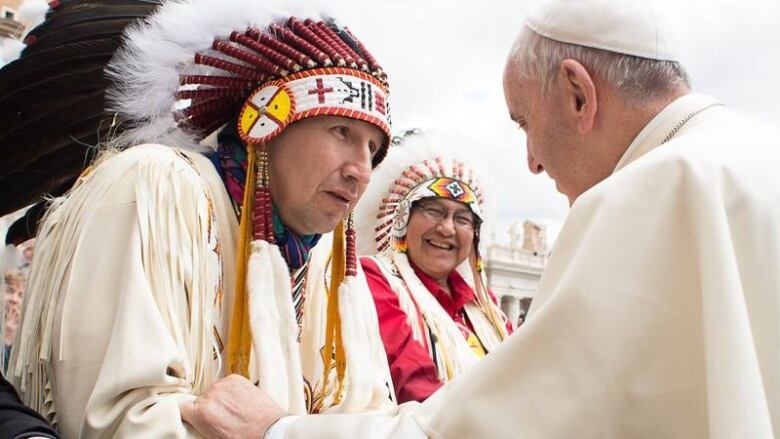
366,387
274,328
489,335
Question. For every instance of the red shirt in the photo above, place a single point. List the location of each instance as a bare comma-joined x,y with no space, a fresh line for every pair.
413,372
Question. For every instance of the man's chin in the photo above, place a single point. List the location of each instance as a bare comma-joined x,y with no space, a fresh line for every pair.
325,224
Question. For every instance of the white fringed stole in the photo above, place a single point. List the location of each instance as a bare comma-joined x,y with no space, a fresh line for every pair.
180,259
431,325
280,364
367,384
274,327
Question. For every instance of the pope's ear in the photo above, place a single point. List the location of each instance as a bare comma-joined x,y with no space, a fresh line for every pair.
579,94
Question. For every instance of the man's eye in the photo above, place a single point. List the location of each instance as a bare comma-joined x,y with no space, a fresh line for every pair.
436,213
373,148
341,131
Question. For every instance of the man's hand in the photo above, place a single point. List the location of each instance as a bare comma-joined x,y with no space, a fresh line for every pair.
231,408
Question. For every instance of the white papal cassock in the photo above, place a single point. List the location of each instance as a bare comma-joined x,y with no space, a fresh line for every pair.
658,314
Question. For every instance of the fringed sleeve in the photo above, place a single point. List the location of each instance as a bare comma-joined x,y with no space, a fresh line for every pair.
128,334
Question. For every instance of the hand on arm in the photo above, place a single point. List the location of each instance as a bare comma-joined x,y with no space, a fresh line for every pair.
232,408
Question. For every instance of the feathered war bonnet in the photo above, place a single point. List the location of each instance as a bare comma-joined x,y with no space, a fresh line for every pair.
198,64
52,98
419,165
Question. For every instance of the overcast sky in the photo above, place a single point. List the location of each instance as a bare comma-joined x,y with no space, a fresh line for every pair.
445,60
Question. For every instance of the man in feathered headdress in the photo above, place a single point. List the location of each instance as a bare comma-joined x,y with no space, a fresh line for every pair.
164,269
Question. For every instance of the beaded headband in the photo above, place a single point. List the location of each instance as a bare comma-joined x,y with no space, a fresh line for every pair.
423,180
327,91
308,67
303,68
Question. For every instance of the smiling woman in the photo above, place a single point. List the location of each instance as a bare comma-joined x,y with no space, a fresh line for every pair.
436,317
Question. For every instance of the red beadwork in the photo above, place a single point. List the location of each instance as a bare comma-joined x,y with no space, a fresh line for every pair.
409,174
302,45
332,43
253,33
383,225
221,64
351,265
285,49
217,120
431,169
199,108
269,219
405,182
207,93
257,61
309,35
272,55
417,171
219,81
205,120
440,165
382,235
261,214
346,51
372,64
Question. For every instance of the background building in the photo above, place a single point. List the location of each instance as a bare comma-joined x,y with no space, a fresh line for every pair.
9,27
514,268
15,17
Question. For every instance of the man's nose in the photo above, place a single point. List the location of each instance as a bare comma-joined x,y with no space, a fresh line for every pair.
533,165
359,166
447,226
360,172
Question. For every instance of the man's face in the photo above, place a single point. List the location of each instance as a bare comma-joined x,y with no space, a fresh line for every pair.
12,298
550,141
319,168
28,250
439,236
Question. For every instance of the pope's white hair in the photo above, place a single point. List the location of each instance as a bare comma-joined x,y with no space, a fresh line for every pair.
539,58
413,149
145,71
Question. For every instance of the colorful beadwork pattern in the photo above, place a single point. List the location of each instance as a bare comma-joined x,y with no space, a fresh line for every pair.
426,179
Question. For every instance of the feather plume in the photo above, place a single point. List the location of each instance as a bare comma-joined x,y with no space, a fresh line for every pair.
159,51
52,104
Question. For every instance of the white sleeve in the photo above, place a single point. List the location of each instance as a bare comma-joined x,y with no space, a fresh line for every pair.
379,425
128,342
279,428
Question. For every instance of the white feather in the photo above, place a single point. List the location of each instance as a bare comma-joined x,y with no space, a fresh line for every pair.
146,71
